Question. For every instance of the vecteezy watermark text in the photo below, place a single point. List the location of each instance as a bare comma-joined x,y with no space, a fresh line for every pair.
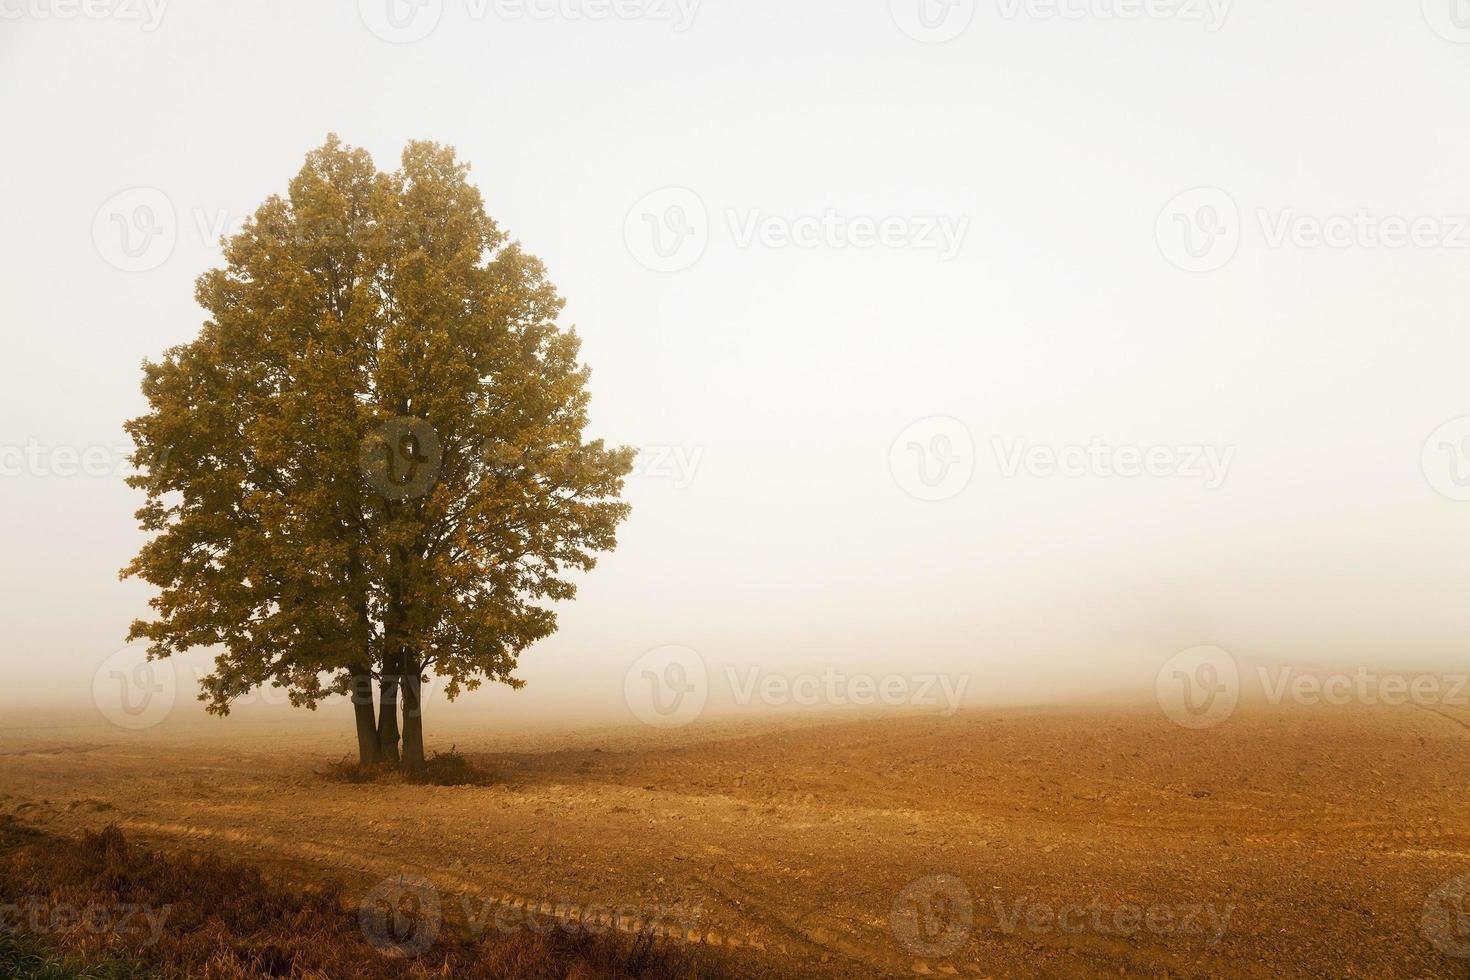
1210,13
46,461
1123,919
676,921
933,459
677,465
1364,686
1202,229
841,689
934,917
148,13
41,917
669,230
669,687
1209,464
938,21
939,233
402,916
407,21
1201,687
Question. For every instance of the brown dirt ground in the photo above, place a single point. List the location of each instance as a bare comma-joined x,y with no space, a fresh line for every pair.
1322,830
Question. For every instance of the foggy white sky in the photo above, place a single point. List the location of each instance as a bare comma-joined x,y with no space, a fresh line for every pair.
788,372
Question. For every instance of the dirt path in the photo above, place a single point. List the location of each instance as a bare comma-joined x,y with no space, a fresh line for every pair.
1290,842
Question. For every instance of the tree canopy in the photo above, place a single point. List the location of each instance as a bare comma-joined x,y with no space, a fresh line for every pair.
370,464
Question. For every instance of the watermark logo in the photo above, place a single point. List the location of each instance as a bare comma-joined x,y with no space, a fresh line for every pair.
1450,19
401,459
668,229
932,21
933,916
1446,919
134,692
667,687
1199,687
1445,459
401,916
933,459
1199,230
401,21
136,230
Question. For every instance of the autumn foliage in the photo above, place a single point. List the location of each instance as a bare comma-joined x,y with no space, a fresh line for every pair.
370,465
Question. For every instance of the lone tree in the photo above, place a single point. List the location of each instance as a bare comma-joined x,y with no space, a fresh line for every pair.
369,467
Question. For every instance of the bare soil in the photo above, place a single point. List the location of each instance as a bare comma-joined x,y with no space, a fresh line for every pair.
1290,841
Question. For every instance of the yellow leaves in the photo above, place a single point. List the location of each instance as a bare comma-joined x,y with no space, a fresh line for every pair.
359,298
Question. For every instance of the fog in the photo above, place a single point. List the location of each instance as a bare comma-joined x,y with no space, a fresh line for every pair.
940,363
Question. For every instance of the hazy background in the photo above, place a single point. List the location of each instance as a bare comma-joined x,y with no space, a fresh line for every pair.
789,372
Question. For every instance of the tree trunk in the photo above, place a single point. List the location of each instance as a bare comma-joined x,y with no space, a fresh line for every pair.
362,707
413,721
395,659
388,711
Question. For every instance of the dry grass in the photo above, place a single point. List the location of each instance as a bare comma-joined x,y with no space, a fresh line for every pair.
23,958
225,921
